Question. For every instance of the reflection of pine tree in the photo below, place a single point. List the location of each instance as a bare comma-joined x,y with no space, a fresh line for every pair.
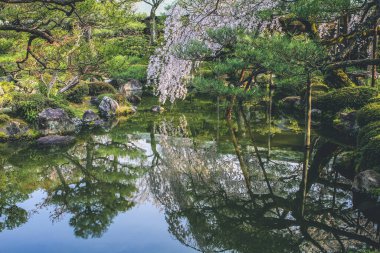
208,207
93,181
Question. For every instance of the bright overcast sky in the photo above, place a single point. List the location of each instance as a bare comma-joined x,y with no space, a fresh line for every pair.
145,8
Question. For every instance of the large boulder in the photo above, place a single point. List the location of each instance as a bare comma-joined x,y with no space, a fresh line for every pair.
55,121
128,87
108,107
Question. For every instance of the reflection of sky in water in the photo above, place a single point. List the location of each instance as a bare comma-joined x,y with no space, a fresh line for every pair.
141,229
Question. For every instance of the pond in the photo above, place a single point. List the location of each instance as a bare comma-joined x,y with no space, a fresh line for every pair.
181,181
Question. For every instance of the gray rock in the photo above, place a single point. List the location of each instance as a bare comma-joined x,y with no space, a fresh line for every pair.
55,121
158,109
1,91
131,85
89,117
108,107
55,140
366,181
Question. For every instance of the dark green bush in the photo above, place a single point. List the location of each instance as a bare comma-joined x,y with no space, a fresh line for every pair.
77,94
368,114
97,88
368,132
349,97
370,158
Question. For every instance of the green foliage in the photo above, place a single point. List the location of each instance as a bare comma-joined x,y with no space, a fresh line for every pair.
219,88
370,158
4,118
349,97
77,94
194,49
97,88
368,132
28,106
369,113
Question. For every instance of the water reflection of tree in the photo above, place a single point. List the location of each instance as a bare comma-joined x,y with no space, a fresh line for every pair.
210,207
92,181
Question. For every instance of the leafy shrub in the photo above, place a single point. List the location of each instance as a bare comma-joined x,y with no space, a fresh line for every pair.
4,118
349,97
369,113
97,88
370,158
368,132
77,94
137,72
28,106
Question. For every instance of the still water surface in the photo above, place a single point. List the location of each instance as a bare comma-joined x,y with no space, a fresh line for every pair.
177,182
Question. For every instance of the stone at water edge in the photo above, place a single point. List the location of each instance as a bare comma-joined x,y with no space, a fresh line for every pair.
131,85
158,109
108,107
55,121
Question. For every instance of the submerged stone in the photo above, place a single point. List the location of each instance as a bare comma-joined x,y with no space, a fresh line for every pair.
55,140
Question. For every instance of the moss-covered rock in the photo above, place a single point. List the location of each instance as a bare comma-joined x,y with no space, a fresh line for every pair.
370,155
368,114
117,97
97,88
4,118
77,94
350,97
368,132
338,79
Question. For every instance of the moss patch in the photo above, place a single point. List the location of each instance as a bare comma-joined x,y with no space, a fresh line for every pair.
370,158
368,114
350,97
368,132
